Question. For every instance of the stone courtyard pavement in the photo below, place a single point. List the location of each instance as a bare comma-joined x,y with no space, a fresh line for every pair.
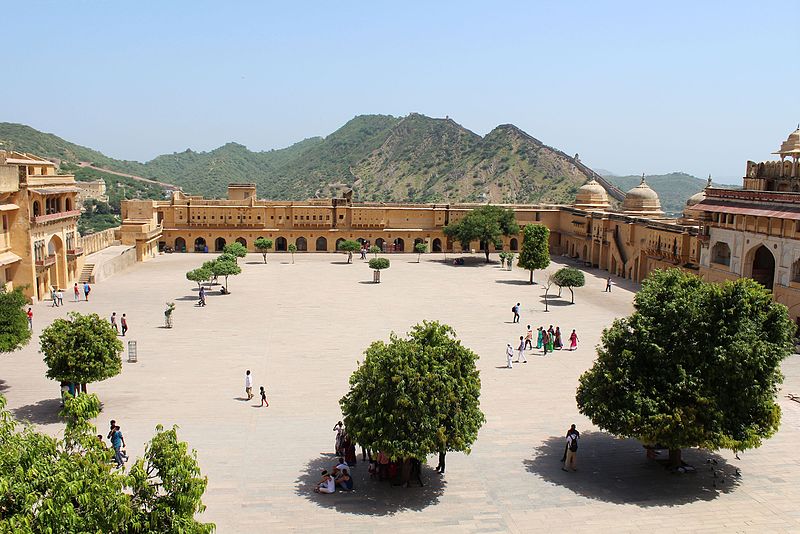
302,327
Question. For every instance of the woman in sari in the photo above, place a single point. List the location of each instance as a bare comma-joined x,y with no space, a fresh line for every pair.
539,338
558,344
573,340
550,341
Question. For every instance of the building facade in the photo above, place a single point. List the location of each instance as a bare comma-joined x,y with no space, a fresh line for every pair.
39,245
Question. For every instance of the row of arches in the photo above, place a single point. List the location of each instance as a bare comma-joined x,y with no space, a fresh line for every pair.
760,262
51,205
281,244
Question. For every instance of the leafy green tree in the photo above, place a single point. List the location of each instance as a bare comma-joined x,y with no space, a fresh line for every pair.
510,260
375,250
14,331
569,277
486,225
226,256
81,349
209,266
292,248
67,484
416,395
263,245
420,249
349,246
696,365
535,252
235,249
226,268
377,265
199,275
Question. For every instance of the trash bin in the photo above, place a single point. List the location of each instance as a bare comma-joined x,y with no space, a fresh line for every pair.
132,356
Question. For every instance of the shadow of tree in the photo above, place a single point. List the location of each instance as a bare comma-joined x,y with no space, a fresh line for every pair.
370,497
468,262
617,471
555,301
3,385
515,282
44,412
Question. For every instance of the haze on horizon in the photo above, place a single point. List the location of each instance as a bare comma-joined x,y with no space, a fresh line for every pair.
631,87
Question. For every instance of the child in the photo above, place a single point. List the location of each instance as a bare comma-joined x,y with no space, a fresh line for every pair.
264,397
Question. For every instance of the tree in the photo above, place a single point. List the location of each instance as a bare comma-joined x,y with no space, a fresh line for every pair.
226,256
416,395
375,250
292,248
263,245
420,249
199,275
547,285
696,365
209,266
235,249
569,277
226,268
68,485
14,331
377,265
510,260
535,252
81,349
349,246
486,225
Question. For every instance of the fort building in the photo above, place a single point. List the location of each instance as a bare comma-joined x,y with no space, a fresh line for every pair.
39,243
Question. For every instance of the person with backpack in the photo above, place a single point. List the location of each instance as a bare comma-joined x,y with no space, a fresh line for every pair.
570,461
515,311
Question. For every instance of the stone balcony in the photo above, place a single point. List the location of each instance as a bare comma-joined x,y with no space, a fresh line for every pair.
41,219
73,253
46,262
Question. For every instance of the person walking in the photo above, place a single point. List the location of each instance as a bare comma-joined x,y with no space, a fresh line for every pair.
571,461
76,293
509,355
545,341
114,322
521,350
557,344
515,309
60,296
118,441
124,323
539,337
608,285
30,318
440,467
248,384
53,296
202,300
86,290
264,398
529,338
573,340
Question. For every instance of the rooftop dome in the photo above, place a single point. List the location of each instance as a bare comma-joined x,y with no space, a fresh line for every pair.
642,200
591,195
792,144
689,212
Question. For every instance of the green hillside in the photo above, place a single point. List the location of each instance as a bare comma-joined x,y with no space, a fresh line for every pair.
383,158
673,189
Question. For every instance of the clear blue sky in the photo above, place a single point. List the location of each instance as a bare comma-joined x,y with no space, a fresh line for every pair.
631,86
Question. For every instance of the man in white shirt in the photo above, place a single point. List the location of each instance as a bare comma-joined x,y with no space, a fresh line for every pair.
326,485
509,355
248,384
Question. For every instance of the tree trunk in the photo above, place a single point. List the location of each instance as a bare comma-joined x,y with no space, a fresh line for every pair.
572,294
265,257
531,276
486,251
675,460
405,471
349,257
292,257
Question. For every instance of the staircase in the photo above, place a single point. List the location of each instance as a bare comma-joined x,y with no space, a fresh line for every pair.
86,274
620,250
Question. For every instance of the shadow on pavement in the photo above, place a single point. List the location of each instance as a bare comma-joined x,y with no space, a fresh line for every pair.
555,301
44,412
370,497
468,262
617,471
3,385
515,282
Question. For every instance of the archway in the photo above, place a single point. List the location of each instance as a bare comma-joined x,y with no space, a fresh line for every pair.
301,244
242,241
57,271
585,252
37,208
339,242
67,205
180,244
721,253
219,244
322,244
200,245
399,245
380,243
513,244
280,244
436,246
764,267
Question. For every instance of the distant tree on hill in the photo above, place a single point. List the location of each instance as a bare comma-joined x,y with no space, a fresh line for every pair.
235,249
350,246
14,331
420,249
263,245
535,253
486,225
568,277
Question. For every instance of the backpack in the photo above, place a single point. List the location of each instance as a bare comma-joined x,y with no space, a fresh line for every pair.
573,446
514,309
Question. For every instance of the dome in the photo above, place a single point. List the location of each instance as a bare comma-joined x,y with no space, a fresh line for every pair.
689,211
591,195
642,200
792,144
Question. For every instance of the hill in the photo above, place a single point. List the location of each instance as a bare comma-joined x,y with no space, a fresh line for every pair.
383,158
673,189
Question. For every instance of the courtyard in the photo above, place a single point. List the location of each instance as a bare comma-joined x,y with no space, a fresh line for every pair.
302,327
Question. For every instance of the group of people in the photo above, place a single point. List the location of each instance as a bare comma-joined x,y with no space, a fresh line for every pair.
57,294
123,322
546,340
117,443
248,390
338,477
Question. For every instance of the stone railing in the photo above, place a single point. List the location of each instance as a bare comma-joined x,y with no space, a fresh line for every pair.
98,241
39,219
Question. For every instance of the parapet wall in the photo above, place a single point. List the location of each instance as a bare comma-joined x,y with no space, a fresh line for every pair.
98,241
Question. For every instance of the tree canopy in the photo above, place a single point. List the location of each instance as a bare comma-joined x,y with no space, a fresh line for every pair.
81,349
50,484
292,248
486,224
226,268
378,264
263,245
535,252
416,395
14,331
420,249
199,275
349,246
235,249
696,365
569,277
